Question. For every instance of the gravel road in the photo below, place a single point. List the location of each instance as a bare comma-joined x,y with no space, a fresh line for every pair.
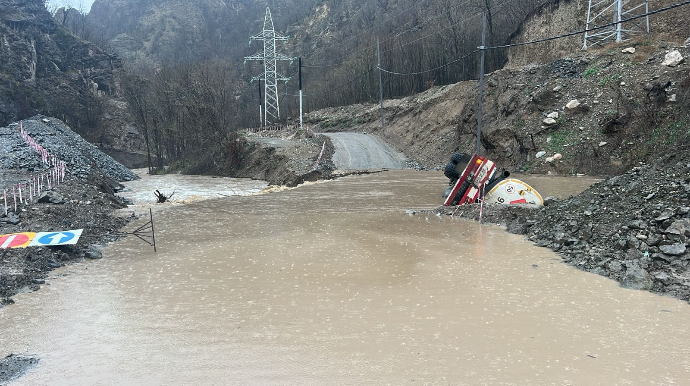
354,151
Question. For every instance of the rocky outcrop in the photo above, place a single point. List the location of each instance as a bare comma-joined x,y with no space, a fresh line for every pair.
551,19
155,31
46,69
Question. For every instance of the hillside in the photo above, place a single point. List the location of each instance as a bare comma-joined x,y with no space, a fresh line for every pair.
44,68
631,108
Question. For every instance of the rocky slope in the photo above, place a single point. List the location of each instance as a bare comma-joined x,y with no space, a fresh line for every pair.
151,32
46,69
85,200
603,110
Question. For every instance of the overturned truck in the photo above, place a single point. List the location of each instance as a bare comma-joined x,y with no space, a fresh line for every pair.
474,178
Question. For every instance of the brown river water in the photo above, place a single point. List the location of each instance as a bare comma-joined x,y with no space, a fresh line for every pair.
334,283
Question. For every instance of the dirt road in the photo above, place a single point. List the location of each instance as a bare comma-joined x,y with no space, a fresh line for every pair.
354,151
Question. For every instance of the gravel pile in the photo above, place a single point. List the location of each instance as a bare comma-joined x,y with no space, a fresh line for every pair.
84,200
633,228
60,141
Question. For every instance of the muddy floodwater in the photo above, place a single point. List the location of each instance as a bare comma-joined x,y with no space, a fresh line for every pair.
334,283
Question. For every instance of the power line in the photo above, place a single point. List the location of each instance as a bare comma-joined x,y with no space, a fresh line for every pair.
409,29
590,29
450,26
330,90
431,69
543,39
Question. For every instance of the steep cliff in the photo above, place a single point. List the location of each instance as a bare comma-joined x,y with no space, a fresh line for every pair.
171,31
45,69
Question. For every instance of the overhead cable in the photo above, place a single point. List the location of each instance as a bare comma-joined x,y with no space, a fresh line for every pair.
431,69
590,29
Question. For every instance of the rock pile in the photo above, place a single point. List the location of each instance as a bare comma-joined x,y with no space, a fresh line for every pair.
59,140
84,200
634,228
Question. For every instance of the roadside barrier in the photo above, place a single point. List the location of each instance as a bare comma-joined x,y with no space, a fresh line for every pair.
24,192
316,164
271,128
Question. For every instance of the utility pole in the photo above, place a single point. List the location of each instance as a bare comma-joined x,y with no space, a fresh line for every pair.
378,54
269,57
602,12
300,93
481,86
287,103
261,113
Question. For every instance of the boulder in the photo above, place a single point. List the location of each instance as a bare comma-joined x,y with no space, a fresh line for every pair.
541,154
573,104
673,249
553,115
679,230
653,240
50,197
636,278
550,200
549,121
665,215
629,50
672,59
11,218
638,224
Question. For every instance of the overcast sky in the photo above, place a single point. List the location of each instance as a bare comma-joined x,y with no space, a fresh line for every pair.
82,5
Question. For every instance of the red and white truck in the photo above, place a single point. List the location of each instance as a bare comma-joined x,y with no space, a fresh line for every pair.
474,177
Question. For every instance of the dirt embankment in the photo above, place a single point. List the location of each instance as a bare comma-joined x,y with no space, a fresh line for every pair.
283,157
629,108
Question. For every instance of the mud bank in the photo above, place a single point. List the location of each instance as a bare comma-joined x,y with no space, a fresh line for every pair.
283,157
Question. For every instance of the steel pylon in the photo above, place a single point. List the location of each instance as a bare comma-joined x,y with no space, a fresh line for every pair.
270,58
603,12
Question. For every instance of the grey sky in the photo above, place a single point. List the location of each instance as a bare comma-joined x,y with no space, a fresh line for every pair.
82,5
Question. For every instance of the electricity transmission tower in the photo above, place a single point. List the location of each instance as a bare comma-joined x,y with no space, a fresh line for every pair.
270,76
602,12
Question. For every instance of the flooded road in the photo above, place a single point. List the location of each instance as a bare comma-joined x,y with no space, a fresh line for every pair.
334,284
